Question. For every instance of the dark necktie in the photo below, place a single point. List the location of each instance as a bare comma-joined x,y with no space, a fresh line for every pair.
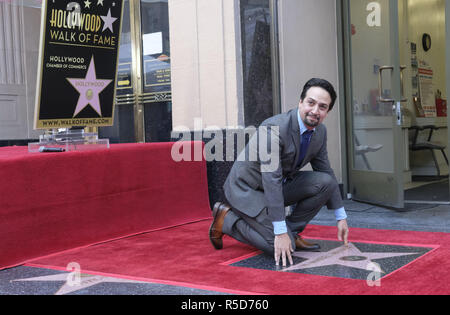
306,139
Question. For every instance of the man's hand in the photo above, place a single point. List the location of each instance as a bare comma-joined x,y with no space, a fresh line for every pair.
343,231
283,248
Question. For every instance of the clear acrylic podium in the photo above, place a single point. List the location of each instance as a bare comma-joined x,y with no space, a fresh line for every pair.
60,140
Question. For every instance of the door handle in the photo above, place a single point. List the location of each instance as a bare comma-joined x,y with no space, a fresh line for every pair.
397,108
380,84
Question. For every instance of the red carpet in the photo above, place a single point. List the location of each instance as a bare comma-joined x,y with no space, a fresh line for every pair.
58,201
184,256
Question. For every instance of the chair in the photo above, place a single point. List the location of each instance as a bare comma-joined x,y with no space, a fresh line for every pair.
428,145
363,149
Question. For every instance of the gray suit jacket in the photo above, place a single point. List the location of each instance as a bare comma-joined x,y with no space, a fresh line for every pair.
250,189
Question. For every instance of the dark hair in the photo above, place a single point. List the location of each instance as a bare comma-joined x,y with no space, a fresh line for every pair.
324,84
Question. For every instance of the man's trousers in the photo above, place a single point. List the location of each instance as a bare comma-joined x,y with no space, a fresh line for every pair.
304,194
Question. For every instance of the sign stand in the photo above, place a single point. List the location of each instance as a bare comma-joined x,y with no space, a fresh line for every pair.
77,73
60,140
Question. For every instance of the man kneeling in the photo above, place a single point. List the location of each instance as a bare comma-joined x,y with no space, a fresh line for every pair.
268,206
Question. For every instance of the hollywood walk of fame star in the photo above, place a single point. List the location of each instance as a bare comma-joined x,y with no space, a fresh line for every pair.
89,89
86,281
87,4
109,20
349,256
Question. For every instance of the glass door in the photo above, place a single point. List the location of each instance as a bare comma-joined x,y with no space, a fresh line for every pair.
375,96
123,130
156,95
143,110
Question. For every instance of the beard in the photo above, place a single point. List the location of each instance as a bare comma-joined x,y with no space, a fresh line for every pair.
311,123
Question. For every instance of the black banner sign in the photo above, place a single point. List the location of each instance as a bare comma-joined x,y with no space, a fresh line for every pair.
78,63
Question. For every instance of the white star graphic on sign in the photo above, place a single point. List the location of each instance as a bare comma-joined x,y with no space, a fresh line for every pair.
109,20
87,4
89,88
86,281
349,256
100,2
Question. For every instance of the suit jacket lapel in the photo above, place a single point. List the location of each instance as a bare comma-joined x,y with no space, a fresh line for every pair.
295,133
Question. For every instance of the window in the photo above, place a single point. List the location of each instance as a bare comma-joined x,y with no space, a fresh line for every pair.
256,20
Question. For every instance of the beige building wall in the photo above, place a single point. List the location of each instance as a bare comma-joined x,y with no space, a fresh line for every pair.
206,66
308,48
19,49
206,61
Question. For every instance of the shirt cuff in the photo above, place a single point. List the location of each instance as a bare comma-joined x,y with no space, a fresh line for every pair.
340,214
279,227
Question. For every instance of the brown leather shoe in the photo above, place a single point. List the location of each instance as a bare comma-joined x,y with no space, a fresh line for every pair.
301,244
220,210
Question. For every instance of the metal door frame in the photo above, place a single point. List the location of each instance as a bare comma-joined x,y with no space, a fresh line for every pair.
447,65
137,73
384,197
